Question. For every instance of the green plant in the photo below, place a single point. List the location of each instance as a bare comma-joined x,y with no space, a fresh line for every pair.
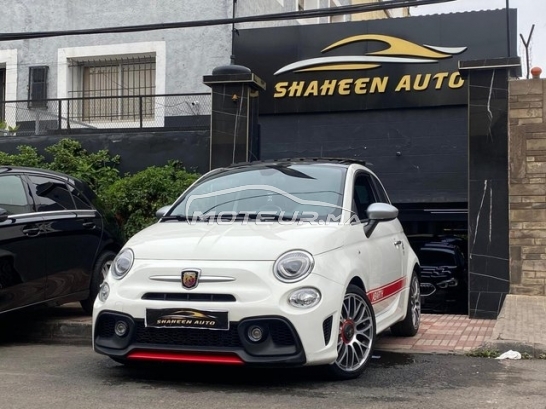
135,198
98,169
8,129
484,352
542,356
27,156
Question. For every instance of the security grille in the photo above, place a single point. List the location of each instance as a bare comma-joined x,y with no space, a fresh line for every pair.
120,89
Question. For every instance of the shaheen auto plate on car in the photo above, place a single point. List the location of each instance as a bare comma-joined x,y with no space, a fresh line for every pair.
187,318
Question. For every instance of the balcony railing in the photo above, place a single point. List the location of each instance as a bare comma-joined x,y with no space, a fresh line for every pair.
171,111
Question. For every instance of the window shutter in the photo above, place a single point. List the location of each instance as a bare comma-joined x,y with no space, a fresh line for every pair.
37,87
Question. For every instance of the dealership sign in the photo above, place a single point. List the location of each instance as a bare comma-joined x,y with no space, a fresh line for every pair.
380,64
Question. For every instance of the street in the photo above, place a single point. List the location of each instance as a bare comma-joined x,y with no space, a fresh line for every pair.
60,376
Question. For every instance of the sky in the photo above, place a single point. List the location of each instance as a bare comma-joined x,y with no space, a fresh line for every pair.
529,12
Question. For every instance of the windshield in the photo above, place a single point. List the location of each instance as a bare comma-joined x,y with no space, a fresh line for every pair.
286,191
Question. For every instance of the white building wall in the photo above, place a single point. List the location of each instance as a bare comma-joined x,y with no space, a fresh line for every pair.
189,53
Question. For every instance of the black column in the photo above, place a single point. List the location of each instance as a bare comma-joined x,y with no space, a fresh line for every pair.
234,133
488,226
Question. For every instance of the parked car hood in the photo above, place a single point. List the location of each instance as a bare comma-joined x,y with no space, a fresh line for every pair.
214,241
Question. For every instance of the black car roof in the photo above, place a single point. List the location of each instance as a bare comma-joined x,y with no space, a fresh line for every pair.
304,160
6,169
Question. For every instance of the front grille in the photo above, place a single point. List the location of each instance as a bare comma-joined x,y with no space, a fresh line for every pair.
189,297
327,329
187,336
106,325
281,333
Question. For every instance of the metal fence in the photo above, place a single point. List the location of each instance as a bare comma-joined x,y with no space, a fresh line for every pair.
107,113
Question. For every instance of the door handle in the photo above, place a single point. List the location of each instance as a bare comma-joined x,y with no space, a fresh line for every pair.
89,225
397,242
31,231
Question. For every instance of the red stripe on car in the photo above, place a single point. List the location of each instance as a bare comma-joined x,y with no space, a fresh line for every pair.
379,294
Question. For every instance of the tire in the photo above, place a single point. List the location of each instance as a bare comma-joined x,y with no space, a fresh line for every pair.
356,335
99,273
410,325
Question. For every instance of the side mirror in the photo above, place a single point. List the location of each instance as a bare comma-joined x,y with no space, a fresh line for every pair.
161,212
379,212
3,215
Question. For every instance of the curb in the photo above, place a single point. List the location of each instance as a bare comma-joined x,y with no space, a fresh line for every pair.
535,350
64,332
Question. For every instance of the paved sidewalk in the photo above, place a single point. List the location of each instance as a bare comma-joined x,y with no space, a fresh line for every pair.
521,325
441,333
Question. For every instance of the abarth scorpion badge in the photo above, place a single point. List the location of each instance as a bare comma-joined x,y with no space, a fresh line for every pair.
190,279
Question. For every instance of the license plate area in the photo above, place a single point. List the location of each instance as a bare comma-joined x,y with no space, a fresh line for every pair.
186,318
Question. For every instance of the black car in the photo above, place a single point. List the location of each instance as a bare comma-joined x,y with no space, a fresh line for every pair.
444,275
55,244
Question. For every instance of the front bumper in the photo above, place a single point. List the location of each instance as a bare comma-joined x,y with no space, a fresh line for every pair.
280,346
292,336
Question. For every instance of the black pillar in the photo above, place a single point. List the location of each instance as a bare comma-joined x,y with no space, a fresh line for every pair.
488,226
234,131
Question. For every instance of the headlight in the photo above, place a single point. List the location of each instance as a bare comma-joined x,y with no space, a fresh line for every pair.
293,266
305,298
122,264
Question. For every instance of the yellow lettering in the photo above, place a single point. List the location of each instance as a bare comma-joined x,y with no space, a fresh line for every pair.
280,89
328,87
440,77
296,89
379,84
455,81
360,86
421,86
312,89
404,84
344,87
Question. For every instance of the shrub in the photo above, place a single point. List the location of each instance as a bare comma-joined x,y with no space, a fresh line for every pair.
98,169
135,198
27,156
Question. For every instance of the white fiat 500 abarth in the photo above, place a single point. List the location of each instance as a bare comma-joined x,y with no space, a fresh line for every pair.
292,263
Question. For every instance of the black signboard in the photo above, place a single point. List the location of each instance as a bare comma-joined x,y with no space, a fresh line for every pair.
186,318
377,64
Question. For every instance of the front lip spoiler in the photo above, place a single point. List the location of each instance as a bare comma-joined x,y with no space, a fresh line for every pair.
168,353
185,357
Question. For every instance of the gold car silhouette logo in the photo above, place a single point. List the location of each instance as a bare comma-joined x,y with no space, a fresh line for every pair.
397,51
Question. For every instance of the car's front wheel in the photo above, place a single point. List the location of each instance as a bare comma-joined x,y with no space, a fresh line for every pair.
356,337
100,270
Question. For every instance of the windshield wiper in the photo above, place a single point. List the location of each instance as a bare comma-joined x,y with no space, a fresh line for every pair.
180,218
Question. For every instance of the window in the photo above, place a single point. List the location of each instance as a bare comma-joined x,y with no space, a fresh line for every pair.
52,194
116,89
363,195
80,200
37,87
12,195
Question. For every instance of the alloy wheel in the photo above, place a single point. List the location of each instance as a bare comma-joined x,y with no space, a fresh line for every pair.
415,294
356,333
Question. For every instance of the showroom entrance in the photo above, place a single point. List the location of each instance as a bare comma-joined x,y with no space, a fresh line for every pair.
398,94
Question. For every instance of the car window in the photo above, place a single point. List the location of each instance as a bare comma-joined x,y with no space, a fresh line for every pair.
52,194
363,195
80,200
12,195
290,190
381,193
436,257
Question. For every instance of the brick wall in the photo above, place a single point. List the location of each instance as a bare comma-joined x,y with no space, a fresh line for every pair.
527,190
